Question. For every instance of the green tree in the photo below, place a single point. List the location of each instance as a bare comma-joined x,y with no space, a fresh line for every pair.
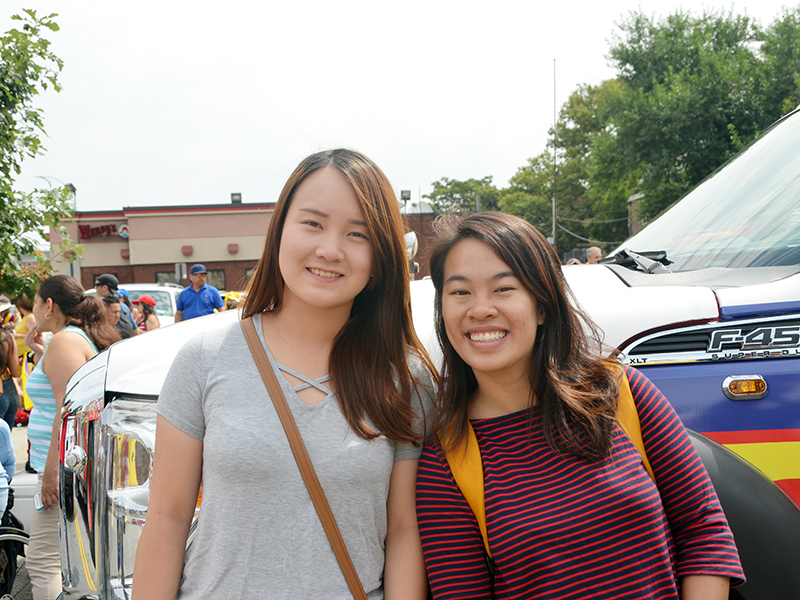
452,195
585,216
690,92
530,191
27,68
581,219
693,86
781,52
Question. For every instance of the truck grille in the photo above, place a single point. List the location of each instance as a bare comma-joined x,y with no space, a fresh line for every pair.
752,339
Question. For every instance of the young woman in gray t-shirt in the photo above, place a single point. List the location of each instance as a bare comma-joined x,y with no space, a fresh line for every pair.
330,300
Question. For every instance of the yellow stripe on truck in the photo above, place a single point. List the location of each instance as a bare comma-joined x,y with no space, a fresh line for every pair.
777,460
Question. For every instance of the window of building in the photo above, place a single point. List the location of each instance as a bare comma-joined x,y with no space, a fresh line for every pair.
167,277
216,278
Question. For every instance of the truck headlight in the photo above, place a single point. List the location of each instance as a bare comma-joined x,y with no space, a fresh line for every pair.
107,449
128,431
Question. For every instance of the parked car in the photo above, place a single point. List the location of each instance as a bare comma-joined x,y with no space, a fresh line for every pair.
705,301
165,295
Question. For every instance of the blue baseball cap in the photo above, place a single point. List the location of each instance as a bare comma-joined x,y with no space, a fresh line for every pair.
197,269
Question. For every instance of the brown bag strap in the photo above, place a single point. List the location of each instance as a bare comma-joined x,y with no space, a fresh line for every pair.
303,460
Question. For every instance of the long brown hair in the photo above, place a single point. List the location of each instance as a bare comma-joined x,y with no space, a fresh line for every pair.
6,338
85,312
379,335
24,303
576,392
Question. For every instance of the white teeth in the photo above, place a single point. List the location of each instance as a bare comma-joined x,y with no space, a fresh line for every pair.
488,336
324,273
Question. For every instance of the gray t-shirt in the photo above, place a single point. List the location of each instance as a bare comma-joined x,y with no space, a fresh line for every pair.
258,534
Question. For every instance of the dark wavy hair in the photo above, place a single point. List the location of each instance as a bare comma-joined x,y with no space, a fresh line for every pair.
86,312
379,335
146,309
569,381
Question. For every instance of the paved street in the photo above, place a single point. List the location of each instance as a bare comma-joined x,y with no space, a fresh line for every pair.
22,585
19,435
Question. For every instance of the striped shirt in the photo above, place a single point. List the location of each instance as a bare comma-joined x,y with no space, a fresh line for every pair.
562,527
40,424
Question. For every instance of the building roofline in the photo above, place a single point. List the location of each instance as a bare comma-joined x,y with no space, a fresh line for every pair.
186,208
108,214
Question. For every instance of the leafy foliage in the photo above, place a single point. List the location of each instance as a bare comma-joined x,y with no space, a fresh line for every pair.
781,53
27,68
691,91
530,191
692,88
452,195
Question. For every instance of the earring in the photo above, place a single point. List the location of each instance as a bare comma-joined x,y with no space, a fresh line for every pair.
48,316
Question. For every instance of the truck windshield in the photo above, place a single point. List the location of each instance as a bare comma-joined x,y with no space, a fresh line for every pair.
745,215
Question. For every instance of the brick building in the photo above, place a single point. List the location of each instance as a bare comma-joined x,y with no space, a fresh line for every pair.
419,218
159,244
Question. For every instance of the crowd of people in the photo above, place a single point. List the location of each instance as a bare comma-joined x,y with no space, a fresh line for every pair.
524,410
128,317
593,255
37,368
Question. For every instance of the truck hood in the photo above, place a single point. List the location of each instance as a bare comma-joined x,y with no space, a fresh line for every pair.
139,365
622,311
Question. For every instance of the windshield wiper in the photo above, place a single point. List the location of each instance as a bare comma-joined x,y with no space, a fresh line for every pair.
649,262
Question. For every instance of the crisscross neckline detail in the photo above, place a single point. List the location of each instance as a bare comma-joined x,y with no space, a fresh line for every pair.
307,381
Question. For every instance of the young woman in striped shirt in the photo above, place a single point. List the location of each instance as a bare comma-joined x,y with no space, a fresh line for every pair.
571,511
80,329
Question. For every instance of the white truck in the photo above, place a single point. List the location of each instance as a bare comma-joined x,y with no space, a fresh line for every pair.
705,300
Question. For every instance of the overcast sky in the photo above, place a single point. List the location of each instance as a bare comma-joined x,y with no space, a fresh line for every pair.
176,102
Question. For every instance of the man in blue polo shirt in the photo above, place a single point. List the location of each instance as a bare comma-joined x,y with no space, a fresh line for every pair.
198,299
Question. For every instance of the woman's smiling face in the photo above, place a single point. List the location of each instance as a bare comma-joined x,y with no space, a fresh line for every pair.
325,252
490,317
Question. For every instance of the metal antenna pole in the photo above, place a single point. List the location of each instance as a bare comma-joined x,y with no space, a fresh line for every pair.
555,145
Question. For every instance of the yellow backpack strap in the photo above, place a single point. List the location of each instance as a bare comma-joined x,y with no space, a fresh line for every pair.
467,466
467,469
628,416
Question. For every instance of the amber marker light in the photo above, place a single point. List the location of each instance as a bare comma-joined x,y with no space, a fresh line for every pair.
745,387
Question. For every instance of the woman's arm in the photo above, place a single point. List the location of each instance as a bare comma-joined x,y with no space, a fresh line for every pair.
703,540
705,587
152,322
7,456
35,341
177,470
455,557
67,352
11,355
404,573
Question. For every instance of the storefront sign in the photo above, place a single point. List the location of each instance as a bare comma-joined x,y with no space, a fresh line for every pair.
87,231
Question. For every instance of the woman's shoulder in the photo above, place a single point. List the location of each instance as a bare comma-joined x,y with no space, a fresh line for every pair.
640,385
217,340
418,366
67,344
68,338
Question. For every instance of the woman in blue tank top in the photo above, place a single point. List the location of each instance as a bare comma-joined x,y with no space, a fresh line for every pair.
80,329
